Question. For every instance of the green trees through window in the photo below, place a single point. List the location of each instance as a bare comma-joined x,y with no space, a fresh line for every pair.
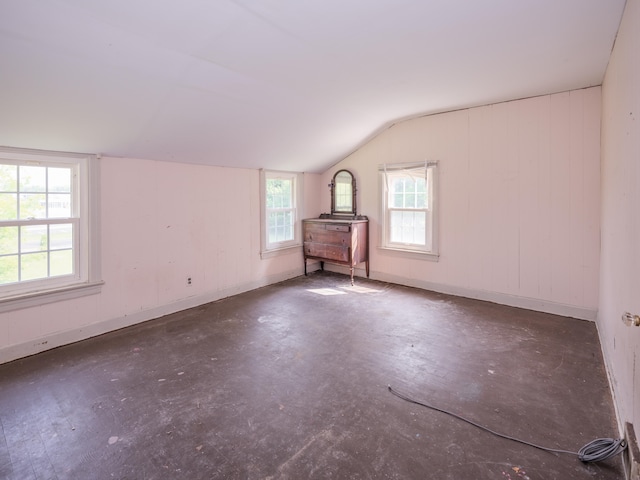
36,227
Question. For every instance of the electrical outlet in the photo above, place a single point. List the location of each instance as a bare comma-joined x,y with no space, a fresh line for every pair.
188,280
632,453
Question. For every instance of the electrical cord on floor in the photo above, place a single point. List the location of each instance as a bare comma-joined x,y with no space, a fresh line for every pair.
595,451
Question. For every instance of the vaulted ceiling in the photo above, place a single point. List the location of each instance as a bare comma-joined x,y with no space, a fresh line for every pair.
281,84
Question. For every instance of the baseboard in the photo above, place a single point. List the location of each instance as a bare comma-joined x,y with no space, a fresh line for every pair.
494,297
32,347
14,352
632,454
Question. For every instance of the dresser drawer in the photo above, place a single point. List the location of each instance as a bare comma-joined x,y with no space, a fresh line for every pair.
336,237
327,227
327,251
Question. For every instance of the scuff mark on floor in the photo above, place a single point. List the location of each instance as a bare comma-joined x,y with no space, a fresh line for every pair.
325,436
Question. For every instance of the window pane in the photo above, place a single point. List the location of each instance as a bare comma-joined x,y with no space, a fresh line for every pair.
273,235
59,205
421,200
61,262
60,236
421,193
8,206
32,205
410,185
59,180
8,178
33,238
408,192
397,200
8,240
275,219
9,269
407,227
33,266
279,193
33,179
286,197
280,226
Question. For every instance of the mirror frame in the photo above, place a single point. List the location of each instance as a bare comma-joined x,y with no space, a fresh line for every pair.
332,185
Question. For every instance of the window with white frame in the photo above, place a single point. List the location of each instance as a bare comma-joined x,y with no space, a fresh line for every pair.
281,203
48,218
408,193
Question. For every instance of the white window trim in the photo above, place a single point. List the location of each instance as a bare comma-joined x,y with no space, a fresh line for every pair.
283,248
417,253
88,281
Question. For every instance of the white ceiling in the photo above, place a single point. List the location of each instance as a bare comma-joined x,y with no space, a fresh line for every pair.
281,84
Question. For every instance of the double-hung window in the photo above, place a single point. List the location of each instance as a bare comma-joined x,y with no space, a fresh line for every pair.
281,204
48,221
409,214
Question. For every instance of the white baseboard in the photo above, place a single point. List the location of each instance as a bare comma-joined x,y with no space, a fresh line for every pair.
14,352
494,297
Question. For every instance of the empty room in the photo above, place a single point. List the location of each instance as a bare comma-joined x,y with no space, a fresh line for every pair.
287,240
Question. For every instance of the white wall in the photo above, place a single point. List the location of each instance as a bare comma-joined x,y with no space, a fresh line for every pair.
519,201
161,223
620,266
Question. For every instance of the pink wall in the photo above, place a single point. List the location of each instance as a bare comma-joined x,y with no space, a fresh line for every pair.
161,223
519,184
519,201
620,267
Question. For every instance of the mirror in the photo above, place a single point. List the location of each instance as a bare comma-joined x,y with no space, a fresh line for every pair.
343,193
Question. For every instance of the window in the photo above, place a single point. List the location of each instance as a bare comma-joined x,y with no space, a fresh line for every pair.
281,203
48,218
409,208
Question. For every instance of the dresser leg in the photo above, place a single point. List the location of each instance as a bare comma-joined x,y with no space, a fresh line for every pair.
305,267
367,265
351,276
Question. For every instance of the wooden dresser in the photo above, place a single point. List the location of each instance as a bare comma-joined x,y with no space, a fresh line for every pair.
339,241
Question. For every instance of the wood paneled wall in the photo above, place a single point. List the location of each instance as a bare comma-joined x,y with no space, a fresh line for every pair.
519,200
620,267
162,222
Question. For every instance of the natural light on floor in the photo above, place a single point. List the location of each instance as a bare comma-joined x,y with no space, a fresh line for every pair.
327,291
358,289
350,288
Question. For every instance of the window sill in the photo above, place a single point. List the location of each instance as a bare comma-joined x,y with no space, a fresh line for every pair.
34,299
276,252
413,254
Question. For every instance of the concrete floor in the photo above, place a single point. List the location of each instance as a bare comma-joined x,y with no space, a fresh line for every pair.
290,382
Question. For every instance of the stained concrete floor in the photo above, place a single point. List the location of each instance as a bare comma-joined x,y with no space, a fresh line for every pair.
290,382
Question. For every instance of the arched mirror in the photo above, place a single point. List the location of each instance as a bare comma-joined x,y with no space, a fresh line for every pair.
343,193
